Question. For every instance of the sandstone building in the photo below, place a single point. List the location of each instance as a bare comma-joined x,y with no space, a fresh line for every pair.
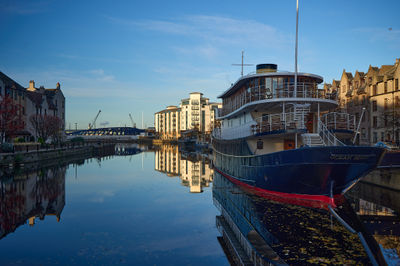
374,98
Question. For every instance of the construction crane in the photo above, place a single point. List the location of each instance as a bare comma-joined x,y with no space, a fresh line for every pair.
133,124
93,124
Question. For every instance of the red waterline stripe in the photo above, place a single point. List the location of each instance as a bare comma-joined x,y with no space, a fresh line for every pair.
299,199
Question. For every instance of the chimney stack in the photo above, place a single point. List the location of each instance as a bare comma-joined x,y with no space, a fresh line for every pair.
31,85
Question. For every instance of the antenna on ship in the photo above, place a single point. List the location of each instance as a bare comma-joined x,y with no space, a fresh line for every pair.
242,64
295,52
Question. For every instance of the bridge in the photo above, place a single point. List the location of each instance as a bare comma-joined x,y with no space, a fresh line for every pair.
106,131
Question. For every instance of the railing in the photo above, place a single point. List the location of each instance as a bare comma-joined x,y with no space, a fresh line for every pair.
339,121
283,121
327,137
257,93
264,124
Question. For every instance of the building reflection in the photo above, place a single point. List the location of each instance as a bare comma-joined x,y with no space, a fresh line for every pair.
378,206
30,195
192,168
259,231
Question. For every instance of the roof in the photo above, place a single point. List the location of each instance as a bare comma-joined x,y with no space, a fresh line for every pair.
241,81
384,69
348,74
35,97
10,83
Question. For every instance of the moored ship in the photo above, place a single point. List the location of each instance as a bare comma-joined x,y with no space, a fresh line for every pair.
279,136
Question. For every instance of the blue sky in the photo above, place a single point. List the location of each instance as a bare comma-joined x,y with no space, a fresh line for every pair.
140,56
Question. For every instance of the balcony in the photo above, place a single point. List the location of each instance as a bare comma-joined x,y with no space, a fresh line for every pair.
258,93
283,122
339,121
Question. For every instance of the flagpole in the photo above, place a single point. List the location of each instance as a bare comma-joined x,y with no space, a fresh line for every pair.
295,53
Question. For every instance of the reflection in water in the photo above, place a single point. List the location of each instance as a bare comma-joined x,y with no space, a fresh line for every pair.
193,169
123,149
284,232
378,205
30,195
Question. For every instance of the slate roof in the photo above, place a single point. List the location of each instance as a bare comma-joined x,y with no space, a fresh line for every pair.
10,83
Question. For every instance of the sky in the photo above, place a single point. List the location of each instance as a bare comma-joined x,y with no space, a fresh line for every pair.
137,57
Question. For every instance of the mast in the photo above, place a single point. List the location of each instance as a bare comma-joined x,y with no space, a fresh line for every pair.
295,52
242,64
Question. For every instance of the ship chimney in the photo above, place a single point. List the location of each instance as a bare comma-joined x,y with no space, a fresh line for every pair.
266,68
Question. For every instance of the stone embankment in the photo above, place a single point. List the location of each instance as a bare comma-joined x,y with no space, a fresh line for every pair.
55,153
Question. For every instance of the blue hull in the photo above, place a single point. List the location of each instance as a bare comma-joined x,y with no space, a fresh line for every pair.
303,172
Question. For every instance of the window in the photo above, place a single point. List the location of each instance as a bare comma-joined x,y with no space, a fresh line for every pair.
374,106
382,136
375,134
396,84
386,120
374,90
363,133
385,87
375,122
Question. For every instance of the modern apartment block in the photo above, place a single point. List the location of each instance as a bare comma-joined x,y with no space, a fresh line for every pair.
195,113
374,95
167,123
32,101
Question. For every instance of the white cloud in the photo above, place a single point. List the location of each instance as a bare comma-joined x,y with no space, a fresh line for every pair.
215,29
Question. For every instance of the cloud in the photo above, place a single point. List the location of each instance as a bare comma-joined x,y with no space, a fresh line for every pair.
213,29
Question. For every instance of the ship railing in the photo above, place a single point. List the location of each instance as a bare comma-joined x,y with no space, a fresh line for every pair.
327,136
339,121
282,121
276,91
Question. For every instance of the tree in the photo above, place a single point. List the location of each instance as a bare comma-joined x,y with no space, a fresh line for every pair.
47,126
10,118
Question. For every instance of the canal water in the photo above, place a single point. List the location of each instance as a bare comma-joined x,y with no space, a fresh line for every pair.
161,206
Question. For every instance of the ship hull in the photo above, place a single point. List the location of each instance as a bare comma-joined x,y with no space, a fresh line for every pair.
313,175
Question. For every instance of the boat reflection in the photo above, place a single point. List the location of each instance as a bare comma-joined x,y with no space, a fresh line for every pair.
30,194
192,168
262,231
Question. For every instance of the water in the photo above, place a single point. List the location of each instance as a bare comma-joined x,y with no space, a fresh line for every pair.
166,208
115,211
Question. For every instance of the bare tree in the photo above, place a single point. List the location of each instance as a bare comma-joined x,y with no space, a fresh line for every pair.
47,126
10,118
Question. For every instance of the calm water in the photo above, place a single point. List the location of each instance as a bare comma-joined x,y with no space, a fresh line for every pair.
167,208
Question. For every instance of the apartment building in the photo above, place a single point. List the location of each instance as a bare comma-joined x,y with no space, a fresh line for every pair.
374,98
31,101
167,123
195,113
